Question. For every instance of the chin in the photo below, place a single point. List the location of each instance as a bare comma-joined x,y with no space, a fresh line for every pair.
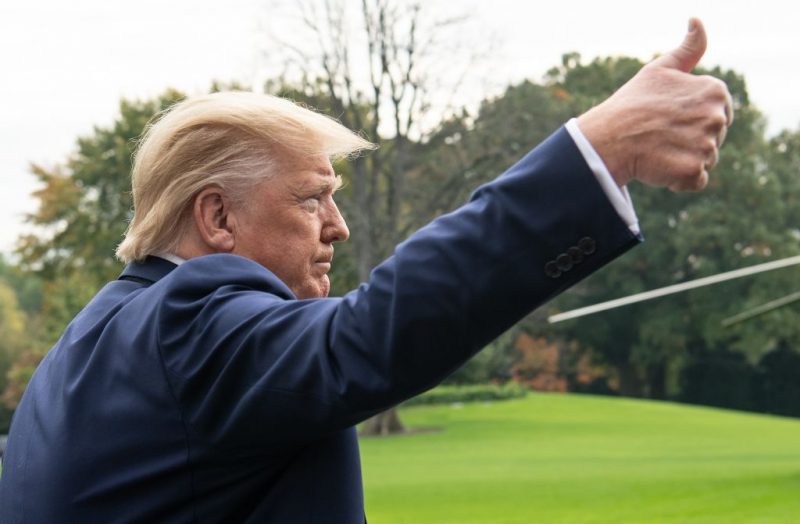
316,290
324,287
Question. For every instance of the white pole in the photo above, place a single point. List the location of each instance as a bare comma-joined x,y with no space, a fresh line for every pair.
763,308
675,288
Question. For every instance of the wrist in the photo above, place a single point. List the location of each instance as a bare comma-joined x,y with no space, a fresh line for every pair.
606,142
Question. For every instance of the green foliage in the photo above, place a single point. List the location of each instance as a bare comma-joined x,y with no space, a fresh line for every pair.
84,207
568,458
721,378
777,389
471,393
13,336
586,85
724,378
85,204
743,218
27,287
749,214
689,236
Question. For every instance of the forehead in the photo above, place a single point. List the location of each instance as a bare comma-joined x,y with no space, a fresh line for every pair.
302,171
307,163
300,174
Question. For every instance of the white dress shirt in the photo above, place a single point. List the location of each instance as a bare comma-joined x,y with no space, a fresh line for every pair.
619,197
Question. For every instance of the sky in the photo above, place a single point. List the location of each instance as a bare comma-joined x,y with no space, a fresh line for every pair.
65,65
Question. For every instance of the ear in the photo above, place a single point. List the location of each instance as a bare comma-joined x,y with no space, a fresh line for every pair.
213,219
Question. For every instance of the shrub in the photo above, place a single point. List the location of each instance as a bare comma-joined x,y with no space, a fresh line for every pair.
471,393
719,378
778,384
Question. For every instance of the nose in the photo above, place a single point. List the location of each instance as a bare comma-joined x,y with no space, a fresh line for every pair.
335,228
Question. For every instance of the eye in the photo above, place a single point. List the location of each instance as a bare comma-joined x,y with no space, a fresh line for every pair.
312,203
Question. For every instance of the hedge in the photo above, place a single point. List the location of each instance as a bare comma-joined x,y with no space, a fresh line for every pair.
471,393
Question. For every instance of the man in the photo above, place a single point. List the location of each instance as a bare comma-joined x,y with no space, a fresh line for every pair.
214,382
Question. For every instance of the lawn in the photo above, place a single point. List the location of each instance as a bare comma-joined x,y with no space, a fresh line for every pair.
582,459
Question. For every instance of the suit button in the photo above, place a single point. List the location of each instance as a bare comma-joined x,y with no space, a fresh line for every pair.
564,262
587,245
551,270
575,254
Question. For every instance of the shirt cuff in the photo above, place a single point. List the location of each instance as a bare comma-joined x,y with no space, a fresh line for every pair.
619,197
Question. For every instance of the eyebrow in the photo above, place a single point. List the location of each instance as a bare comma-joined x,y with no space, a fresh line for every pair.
334,185
326,185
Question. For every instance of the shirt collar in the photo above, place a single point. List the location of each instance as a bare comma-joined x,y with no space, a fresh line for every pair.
175,259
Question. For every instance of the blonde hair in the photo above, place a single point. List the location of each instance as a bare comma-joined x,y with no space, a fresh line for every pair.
230,139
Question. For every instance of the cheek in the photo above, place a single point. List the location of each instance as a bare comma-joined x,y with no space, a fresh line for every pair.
297,260
325,287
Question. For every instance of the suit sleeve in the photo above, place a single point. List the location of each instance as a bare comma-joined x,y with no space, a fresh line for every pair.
253,367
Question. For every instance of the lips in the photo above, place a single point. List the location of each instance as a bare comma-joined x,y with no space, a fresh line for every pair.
324,264
325,258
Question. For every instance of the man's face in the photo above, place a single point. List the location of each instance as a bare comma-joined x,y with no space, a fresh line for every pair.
290,222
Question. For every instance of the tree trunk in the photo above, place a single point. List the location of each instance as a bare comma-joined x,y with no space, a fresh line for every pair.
382,424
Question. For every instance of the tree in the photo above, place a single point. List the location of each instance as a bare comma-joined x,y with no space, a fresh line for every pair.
777,388
394,46
14,340
741,219
85,204
20,332
84,207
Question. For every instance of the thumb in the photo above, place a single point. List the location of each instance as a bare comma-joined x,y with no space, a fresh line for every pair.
691,50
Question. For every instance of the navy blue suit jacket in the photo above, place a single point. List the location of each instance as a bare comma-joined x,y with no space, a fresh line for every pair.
207,393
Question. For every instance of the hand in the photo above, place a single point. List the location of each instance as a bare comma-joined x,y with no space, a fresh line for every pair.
665,126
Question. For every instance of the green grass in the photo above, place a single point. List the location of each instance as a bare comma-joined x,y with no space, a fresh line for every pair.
581,459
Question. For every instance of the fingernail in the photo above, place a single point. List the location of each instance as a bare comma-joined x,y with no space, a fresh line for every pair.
692,25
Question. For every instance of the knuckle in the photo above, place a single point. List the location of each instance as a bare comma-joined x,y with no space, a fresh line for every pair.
708,147
688,169
717,121
721,136
722,87
701,181
696,181
717,83
717,88
699,172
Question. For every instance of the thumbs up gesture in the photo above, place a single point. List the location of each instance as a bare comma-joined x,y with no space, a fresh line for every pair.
665,126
